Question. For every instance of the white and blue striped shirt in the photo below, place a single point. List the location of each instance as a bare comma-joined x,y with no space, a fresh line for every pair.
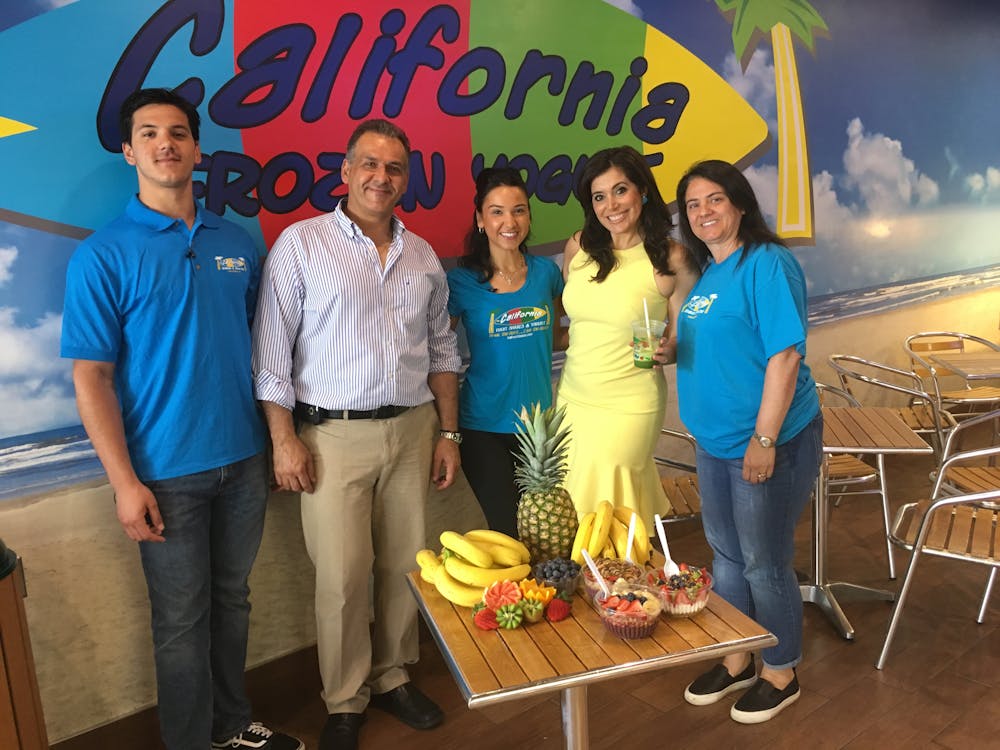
337,330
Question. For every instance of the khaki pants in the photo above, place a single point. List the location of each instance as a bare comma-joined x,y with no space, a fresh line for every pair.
366,517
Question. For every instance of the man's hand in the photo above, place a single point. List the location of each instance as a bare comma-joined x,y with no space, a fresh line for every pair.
294,468
444,465
139,514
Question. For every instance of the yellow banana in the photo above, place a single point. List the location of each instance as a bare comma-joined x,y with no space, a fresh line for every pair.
618,534
608,550
498,537
455,591
582,537
472,575
602,523
467,549
429,563
502,555
641,543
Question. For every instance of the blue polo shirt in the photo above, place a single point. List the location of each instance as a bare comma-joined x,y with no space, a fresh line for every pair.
171,308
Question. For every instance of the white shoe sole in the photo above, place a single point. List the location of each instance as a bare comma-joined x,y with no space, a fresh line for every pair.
707,699
758,717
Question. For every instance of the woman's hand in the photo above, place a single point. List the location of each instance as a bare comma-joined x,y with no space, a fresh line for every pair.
758,463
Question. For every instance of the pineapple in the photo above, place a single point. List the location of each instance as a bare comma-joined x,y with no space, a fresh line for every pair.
546,516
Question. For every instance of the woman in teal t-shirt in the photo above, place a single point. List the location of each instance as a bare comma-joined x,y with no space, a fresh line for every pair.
509,304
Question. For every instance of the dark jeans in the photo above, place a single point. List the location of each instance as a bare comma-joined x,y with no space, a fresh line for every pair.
488,463
197,582
751,529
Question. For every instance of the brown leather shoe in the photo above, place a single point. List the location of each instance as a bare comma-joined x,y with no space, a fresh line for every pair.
341,732
410,706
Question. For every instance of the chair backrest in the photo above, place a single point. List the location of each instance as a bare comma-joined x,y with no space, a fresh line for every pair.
830,393
961,430
928,342
963,457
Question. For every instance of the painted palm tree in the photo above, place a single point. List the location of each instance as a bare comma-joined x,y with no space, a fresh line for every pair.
751,19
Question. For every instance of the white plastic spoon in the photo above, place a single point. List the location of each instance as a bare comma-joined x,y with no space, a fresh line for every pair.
597,574
631,538
669,566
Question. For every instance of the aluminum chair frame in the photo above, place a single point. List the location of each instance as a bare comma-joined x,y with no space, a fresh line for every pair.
847,368
917,348
983,502
682,492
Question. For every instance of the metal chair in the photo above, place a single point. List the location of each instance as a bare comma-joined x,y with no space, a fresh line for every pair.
965,401
848,474
922,413
971,479
682,491
962,527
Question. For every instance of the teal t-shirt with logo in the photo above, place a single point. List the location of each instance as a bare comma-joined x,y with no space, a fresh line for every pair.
510,344
738,316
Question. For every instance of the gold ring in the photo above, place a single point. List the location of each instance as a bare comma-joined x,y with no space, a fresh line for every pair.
762,476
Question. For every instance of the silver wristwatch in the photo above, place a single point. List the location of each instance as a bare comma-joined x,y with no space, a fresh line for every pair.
454,436
764,440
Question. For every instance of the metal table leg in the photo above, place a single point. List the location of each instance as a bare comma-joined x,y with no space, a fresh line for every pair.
574,718
821,591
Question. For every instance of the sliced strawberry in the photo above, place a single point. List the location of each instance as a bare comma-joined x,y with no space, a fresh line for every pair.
612,602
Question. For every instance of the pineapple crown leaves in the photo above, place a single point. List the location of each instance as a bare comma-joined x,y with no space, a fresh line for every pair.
543,443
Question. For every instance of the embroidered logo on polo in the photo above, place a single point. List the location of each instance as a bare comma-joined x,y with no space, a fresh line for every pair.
698,305
233,265
518,322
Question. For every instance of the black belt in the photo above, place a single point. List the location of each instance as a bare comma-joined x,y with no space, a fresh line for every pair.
316,414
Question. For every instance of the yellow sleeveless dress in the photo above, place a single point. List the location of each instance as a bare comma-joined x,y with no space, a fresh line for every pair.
614,409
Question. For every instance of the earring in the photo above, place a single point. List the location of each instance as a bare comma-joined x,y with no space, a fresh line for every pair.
645,199
482,231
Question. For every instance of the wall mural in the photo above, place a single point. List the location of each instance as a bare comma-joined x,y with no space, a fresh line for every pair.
861,126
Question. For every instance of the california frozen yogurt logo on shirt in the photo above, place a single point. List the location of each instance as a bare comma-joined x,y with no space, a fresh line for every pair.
518,321
235,265
698,305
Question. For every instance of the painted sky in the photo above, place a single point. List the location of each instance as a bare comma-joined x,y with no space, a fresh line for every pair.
905,162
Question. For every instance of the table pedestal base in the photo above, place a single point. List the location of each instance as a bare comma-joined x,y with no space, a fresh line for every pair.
574,718
823,596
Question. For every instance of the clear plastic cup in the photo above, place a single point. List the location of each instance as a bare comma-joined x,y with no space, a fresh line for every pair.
645,340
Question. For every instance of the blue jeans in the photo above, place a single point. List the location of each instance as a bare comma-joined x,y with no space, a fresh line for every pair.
197,583
751,527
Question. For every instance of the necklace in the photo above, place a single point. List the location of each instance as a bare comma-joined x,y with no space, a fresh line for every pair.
509,277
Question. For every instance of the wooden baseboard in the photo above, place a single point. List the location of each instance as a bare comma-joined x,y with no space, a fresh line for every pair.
283,685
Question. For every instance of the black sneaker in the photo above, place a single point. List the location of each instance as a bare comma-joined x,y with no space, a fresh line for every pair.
258,737
764,701
717,683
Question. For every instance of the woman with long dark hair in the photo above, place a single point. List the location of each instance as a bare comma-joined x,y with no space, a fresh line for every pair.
749,399
621,264
509,304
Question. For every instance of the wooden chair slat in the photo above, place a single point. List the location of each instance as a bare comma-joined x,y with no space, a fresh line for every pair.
937,537
982,543
961,529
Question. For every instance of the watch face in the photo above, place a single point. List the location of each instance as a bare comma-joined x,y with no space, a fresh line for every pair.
764,441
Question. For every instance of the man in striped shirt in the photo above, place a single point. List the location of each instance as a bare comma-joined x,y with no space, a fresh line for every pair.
352,339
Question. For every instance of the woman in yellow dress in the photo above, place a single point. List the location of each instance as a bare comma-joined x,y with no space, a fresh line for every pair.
622,256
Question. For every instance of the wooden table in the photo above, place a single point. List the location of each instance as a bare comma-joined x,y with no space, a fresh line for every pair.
495,666
980,365
872,430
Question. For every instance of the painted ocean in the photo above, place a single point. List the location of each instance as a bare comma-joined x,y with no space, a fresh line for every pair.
47,461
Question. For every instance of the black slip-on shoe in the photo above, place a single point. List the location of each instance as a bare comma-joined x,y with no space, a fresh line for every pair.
764,701
716,683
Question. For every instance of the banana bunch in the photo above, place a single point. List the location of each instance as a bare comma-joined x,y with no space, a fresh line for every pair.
604,533
469,562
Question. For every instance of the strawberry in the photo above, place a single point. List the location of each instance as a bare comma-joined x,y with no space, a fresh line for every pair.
486,619
634,606
558,609
623,605
612,602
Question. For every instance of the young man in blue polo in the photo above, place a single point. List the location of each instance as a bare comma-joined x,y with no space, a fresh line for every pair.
157,321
